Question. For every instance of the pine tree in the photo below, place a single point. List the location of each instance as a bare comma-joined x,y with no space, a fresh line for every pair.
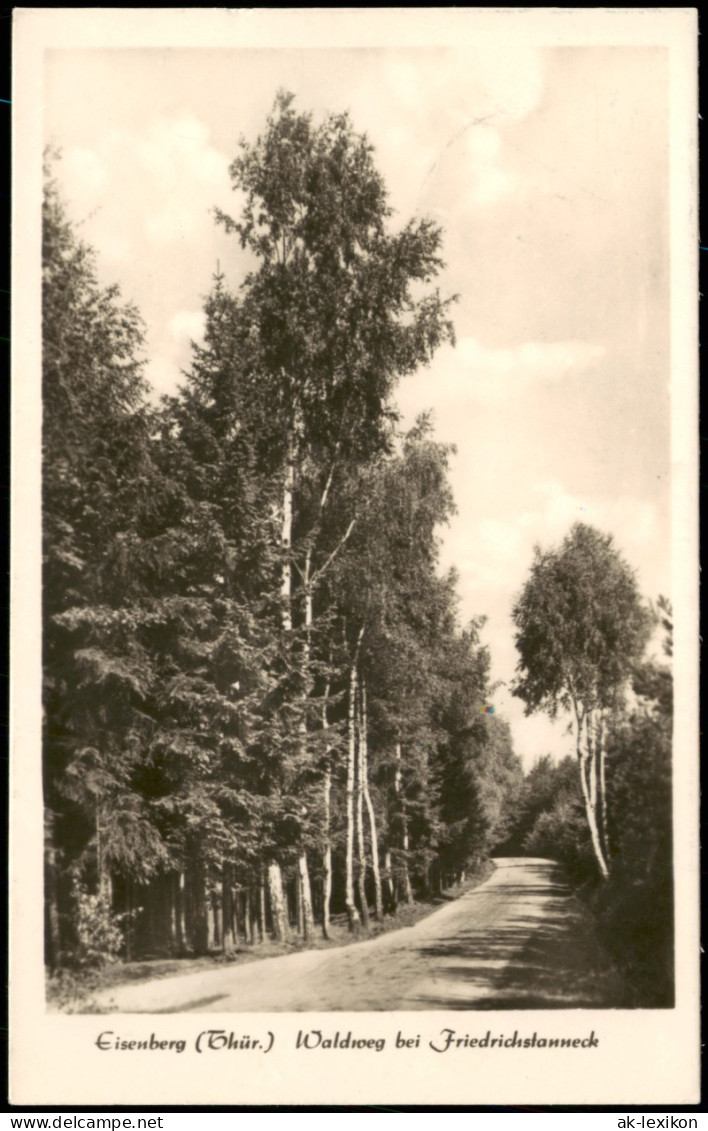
96,484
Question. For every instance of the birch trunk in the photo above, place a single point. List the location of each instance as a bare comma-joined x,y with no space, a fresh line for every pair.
364,757
587,770
286,533
407,891
360,850
352,913
327,849
308,922
295,887
602,790
327,856
182,939
278,909
389,884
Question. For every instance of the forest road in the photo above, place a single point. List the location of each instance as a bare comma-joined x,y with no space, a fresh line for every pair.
521,940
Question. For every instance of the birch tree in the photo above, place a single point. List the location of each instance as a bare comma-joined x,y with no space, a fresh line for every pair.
331,317
580,627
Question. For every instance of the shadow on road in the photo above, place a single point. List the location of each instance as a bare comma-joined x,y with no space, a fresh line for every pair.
544,956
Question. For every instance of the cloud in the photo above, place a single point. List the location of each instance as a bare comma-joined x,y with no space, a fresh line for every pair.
189,324
164,369
472,374
503,547
494,554
435,118
489,182
163,374
144,198
154,186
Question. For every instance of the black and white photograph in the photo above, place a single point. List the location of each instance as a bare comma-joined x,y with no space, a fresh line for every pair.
360,547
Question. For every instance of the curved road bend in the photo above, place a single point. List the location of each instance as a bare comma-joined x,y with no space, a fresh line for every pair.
521,940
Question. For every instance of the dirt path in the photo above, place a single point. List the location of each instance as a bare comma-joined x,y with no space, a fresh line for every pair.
519,941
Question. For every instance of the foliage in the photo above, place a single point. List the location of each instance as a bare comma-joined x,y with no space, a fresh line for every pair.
99,933
549,819
635,907
579,624
98,491
580,628
637,912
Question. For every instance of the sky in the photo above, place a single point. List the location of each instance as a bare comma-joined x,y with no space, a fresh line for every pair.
547,169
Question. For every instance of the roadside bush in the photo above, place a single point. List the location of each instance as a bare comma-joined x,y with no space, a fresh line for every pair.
100,934
561,833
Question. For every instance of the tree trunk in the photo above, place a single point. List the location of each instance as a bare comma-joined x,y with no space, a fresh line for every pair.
262,908
200,918
602,790
364,757
327,856
182,938
286,532
278,907
407,891
53,941
105,881
227,910
587,771
352,913
172,897
129,920
307,918
361,853
389,884
249,918
327,850
235,894
212,925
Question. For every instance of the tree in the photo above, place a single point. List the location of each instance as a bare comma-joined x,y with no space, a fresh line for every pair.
97,487
337,309
580,625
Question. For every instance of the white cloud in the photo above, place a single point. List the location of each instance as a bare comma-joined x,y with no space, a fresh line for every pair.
84,172
189,324
155,185
489,182
435,117
163,373
164,370
472,374
503,547
494,554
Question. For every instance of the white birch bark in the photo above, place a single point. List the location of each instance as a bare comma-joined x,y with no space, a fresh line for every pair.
306,916
364,756
352,913
587,768
281,927
398,786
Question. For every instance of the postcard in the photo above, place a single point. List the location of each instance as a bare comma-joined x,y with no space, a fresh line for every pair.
354,733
